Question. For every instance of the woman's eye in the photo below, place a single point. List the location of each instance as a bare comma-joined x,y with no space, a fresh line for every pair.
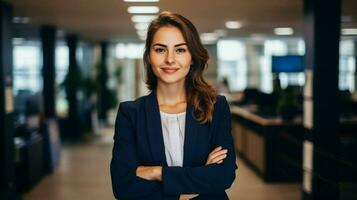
181,50
159,50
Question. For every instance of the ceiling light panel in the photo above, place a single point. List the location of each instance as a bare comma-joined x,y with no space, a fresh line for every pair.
141,1
284,31
143,9
233,25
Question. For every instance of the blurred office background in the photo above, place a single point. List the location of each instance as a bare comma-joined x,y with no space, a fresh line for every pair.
287,67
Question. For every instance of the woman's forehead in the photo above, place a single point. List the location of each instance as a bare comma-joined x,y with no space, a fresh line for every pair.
168,35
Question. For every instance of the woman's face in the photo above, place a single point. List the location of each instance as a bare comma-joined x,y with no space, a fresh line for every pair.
170,58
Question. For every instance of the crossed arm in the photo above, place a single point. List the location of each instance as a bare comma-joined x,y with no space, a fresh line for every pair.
130,180
154,173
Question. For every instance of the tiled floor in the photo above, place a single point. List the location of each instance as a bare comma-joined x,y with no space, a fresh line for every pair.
248,186
84,174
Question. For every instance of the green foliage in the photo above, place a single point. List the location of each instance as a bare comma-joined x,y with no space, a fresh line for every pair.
107,97
287,103
72,82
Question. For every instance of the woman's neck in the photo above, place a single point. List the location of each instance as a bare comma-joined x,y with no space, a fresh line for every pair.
171,94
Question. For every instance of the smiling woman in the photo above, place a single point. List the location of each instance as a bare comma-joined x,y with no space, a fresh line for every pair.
170,59
176,142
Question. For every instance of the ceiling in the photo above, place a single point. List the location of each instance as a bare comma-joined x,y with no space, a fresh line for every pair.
109,19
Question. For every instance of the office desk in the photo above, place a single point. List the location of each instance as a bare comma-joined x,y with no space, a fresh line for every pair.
273,147
29,162
270,146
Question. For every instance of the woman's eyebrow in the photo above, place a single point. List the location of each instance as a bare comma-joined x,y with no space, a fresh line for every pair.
158,44
177,45
162,45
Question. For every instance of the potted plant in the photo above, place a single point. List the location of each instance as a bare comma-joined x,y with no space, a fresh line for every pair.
287,104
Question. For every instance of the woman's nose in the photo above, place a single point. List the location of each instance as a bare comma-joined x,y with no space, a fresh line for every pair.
170,58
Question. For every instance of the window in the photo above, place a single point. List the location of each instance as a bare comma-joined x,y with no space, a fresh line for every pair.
232,63
347,66
130,50
280,48
128,57
27,67
62,58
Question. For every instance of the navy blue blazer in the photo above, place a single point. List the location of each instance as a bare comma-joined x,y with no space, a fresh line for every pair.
138,141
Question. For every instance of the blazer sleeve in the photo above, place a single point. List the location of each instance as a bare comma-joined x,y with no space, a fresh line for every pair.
213,178
125,183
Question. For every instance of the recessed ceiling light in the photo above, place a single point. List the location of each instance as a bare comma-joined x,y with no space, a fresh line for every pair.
21,20
208,37
284,31
142,18
141,26
16,19
233,24
142,38
220,32
143,9
141,32
25,20
140,1
349,31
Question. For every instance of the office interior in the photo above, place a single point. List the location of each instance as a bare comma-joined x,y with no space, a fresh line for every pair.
287,68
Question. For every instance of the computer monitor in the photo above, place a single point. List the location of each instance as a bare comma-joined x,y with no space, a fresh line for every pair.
288,64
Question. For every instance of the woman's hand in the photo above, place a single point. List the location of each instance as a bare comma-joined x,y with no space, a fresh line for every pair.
151,173
154,173
187,196
217,156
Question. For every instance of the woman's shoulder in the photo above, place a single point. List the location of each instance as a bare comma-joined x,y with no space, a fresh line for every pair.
221,107
220,100
132,104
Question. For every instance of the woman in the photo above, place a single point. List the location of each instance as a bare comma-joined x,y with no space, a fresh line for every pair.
176,142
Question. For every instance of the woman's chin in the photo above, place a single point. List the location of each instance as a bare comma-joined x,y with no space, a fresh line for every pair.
171,80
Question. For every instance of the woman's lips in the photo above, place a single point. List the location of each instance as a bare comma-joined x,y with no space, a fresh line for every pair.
169,70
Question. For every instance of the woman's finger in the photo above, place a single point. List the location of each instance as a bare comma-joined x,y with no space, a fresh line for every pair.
214,154
187,196
218,158
215,150
218,153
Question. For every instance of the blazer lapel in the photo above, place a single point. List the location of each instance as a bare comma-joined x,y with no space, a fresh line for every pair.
155,132
154,129
191,126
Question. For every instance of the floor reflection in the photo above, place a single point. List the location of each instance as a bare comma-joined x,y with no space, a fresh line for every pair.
84,174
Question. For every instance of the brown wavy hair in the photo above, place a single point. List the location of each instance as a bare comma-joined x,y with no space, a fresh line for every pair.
199,93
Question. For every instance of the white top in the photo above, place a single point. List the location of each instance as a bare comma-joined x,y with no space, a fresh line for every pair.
173,130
